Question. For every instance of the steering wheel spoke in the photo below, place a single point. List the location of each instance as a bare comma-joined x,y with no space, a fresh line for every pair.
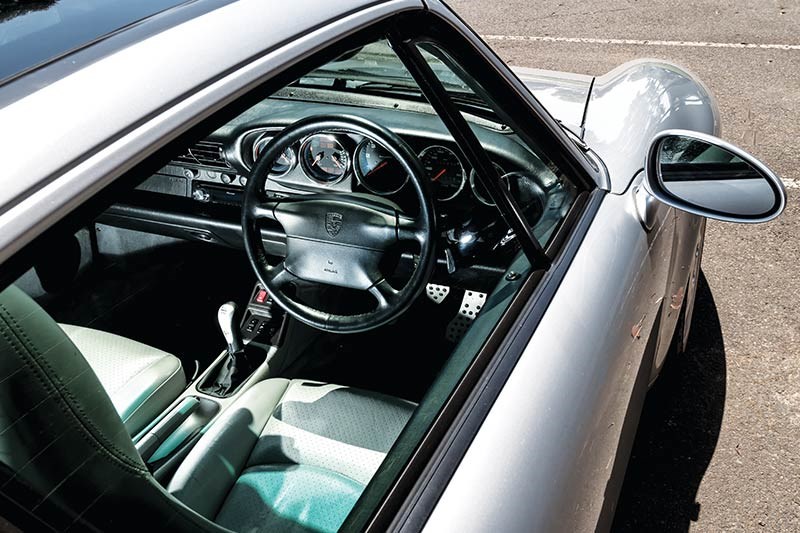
384,293
410,229
263,210
280,277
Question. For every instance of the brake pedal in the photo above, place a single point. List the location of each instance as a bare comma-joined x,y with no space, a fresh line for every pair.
437,293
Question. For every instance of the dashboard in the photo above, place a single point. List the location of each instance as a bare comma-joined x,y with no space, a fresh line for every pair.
210,176
344,161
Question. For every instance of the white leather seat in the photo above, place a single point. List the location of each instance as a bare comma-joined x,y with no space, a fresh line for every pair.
290,455
140,380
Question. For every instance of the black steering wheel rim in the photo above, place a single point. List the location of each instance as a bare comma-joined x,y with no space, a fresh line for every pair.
255,206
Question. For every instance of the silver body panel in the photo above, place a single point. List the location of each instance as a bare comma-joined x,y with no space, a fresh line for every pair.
624,109
563,94
634,102
549,454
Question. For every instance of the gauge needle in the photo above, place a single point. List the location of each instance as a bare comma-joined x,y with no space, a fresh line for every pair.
318,158
383,164
439,174
336,160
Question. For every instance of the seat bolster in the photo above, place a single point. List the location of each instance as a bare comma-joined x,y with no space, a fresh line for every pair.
148,393
205,477
141,380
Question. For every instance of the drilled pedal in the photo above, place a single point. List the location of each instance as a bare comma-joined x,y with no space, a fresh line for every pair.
437,293
471,305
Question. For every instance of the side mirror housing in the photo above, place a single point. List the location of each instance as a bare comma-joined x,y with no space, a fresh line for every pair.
706,176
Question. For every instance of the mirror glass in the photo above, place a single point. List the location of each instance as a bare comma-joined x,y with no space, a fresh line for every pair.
710,177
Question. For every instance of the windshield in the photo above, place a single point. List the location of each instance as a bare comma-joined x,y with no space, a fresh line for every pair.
377,66
35,32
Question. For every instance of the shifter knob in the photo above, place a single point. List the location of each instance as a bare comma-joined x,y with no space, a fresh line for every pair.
227,323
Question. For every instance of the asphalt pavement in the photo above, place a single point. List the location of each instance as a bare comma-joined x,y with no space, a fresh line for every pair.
718,448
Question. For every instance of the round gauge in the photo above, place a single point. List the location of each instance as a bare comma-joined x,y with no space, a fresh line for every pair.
478,188
444,170
282,164
377,170
324,158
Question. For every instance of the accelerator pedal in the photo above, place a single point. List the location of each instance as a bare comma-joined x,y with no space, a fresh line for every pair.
471,305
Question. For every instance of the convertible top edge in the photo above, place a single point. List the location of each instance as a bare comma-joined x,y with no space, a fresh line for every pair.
645,96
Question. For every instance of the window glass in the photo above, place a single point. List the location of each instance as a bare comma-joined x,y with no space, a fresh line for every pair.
377,62
540,188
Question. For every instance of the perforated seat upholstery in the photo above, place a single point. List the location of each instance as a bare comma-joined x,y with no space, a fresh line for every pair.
140,380
290,456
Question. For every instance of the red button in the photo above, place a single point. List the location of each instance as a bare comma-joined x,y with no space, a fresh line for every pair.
262,296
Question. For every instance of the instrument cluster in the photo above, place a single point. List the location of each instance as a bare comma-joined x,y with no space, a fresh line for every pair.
348,161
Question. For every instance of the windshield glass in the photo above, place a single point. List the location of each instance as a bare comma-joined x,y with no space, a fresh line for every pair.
32,33
376,66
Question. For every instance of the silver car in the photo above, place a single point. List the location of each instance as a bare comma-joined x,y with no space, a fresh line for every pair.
318,266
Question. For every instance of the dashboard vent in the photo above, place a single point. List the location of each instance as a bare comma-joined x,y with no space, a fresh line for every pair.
204,154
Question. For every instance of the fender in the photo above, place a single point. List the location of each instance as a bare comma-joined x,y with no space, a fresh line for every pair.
636,100
618,113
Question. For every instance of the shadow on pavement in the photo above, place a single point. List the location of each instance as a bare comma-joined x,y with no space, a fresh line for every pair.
678,431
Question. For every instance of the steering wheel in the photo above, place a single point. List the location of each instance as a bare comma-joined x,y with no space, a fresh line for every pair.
339,239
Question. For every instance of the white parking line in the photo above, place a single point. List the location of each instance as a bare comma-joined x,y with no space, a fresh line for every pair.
791,183
639,42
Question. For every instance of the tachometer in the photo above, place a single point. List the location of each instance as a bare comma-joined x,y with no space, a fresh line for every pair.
377,170
324,159
445,171
284,162
479,190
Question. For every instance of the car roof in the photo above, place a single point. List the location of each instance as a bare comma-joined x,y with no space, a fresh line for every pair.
34,33
74,33
59,118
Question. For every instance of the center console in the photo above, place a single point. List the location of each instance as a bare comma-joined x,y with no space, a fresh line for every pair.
253,337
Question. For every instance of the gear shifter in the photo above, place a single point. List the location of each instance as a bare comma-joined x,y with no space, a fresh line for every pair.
226,316
239,364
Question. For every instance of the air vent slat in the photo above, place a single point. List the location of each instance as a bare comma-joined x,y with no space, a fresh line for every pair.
204,154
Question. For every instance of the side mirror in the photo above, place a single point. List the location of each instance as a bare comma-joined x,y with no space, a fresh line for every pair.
707,176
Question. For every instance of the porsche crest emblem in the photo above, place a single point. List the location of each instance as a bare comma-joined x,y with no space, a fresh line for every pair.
333,223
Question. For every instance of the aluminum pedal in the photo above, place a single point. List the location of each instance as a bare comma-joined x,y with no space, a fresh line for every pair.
471,306
437,293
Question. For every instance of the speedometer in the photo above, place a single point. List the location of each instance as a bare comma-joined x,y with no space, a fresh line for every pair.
324,159
445,171
377,170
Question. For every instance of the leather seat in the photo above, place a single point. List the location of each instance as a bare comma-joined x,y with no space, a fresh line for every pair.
290,456
286,455
141,381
